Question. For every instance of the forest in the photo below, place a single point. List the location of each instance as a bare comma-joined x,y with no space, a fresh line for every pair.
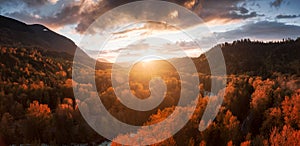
261,100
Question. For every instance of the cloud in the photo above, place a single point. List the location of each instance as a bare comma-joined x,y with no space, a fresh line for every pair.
97,9
234,15
83,12
287,16
53,1
70,13
2,2
65,17
263,30
28,3
243,10
228,10
142,48
34,3
122,32
147,26
276,3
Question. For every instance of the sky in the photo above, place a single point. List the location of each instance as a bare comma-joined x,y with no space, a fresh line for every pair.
226,20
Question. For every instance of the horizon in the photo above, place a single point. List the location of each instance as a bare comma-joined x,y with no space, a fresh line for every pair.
109,60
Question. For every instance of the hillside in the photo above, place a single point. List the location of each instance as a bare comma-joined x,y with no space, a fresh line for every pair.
18,34
256,58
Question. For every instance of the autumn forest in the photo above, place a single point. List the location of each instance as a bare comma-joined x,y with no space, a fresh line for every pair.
260,107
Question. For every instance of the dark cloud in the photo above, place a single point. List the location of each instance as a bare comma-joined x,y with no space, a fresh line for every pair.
116,3
9,2
234,15
225,9
29,3
286,16
82,13
209,10
243,10
72,13
276,3
35,2
67,16
106,5
263,30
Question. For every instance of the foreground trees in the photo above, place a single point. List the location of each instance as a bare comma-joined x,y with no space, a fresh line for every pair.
37,123
272,116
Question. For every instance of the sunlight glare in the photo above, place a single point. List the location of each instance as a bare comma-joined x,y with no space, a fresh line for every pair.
150,58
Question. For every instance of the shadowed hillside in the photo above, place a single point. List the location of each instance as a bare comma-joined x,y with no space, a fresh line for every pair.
257,58
18,34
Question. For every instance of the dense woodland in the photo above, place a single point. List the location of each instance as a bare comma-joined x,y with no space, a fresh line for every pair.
261,101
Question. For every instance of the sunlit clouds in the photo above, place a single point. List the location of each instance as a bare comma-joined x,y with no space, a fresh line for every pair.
151,38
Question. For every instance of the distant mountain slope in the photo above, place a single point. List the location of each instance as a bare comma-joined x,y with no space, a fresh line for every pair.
18,34
257,58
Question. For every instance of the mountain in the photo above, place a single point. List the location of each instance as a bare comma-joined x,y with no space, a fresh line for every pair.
15,33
